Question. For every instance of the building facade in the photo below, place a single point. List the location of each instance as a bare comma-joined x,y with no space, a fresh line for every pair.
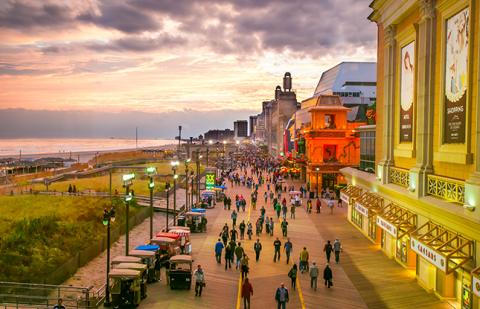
240,129
219,135
420,205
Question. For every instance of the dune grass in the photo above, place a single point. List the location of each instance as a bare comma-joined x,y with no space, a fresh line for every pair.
40,233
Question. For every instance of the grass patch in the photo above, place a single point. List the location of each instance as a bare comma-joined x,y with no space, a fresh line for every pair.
40,233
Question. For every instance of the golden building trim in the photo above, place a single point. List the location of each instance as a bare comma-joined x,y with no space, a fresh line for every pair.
399,176
372,202
404,220
446,188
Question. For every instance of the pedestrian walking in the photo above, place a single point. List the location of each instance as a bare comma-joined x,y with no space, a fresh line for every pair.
249,230
288,247
319,206
277,244
281,296
313,276
284,211
257,247
224,235
328,276
292,211
233,234
292,274
337,248
278,208
234,217
59,304
218,250
331,204
228,256
284,226
244,266
328,250
242,227
304,260
271,226
199,280
247,291
239,254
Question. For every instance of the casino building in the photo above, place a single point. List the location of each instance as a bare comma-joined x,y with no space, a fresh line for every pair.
422,205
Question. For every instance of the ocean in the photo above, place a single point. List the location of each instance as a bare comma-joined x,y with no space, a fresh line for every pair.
63,146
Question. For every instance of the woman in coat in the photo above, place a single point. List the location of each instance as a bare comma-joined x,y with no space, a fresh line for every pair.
328,276
293,275
247,291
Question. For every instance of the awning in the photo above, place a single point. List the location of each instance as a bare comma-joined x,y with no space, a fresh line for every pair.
443,248
369,204
350,192
397,221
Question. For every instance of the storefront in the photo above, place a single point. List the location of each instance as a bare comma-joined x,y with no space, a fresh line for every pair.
348,196
396,223
364,213
442,257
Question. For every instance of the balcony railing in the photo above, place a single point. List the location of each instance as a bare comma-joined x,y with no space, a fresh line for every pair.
399,176
446,188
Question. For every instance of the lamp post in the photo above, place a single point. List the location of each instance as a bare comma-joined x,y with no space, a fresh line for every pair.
175,176
108,217
317,170
224,151
186,183
167,189
198,175
151,171
210,142
179,140
127,182
192,177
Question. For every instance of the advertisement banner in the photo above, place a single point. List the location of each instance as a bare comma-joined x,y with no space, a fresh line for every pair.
456,77
407,92
429,254
387,226
344,197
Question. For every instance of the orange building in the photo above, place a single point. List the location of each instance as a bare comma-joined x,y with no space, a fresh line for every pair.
331,142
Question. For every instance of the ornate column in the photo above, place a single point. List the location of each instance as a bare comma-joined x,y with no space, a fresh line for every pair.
425,99
388,101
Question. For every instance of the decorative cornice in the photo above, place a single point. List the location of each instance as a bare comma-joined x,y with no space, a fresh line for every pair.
389,35
427,9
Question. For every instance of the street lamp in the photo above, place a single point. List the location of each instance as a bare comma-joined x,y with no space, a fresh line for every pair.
210,142
127,182
175,176
198,175
151,171
317,169
108,217
186,183
167,189
192,177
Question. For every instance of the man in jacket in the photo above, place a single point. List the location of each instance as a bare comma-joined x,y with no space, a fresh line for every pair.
277,244
218,251
288,249
303,260
328,276
313,276
247,291
199,281
228,256
257,247
239,254
337,248
281,296
328,250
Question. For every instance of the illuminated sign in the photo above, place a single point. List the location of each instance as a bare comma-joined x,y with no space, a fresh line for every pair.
387,226
429,254
344,197
209,180
361,209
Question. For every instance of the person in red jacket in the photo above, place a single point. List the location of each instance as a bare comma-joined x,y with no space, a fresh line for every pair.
247,291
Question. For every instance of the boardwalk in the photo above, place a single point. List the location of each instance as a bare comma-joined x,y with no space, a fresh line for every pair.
365,278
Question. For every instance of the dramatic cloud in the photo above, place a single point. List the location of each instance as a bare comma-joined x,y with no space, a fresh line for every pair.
172,55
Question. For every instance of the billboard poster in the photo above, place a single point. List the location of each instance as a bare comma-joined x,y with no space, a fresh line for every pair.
456,77
407,79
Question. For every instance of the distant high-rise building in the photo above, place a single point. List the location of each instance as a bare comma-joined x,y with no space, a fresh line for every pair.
219,135
252,126
240,129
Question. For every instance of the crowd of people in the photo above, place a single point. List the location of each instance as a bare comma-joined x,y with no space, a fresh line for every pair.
258,174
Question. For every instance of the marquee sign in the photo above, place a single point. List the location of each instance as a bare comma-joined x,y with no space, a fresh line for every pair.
387,226
429,254
361,209
344,197
209,180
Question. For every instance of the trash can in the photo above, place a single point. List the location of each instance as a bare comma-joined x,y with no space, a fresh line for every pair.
181,220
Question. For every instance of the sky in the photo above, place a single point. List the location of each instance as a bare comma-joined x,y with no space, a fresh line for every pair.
217,59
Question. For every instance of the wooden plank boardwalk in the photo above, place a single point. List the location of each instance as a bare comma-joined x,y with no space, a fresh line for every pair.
365,278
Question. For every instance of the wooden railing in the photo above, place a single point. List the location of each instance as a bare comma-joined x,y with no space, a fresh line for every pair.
445,188
399,176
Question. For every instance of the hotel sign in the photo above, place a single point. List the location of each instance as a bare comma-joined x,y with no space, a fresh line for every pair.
476,285
209,180
344,197
429,254
361,209
387,226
